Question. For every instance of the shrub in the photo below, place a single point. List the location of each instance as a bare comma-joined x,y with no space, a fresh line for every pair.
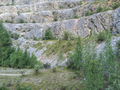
80,3
28,11
20,59
23,88
106,9
14,36
53,12
48,35
33,21
76,16
47,65
55,19
67,35
118,44
99,9
7,21
75,58
17,82
36,68
21,21
54,69
101,36
88,13
3,88
60,57
18,12
116,5
34,38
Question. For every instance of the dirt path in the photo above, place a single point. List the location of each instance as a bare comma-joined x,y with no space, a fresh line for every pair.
10,74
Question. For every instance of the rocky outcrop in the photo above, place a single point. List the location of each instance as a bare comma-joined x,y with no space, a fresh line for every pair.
82,26
116,21
5,2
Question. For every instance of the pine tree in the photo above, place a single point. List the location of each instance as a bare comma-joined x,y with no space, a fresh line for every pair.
5,46
77,57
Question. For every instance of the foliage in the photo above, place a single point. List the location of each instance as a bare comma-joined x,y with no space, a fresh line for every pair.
76,16
118,44
75,59
101,36
7,21
88,13
99,9
60,57
21,21
106,9
33,21
55,19
14,35
17,82
18,12
47,65
67,35
3,88
34,38
80,3
48,35
53,12
18,59
23,88
116,5
36,68
5,46
28,11
54,69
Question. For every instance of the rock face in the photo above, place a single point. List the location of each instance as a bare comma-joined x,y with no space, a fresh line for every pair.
82,26
116,21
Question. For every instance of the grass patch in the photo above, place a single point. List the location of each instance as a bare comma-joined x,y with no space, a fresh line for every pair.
56,47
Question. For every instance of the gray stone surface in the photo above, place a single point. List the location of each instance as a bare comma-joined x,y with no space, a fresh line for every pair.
82,26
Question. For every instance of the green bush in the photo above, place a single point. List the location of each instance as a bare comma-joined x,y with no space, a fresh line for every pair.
116,5
76,16
47,65
21,21
14,36
106,9
33,21
7,21
80,3
101,36
55,19
48,35
23,88
118,44
3,88
18,12
5,46
36,68
34,38
28,11
54,69
20,59
99,9
75,58
87,13
60,57
67,35
53,12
